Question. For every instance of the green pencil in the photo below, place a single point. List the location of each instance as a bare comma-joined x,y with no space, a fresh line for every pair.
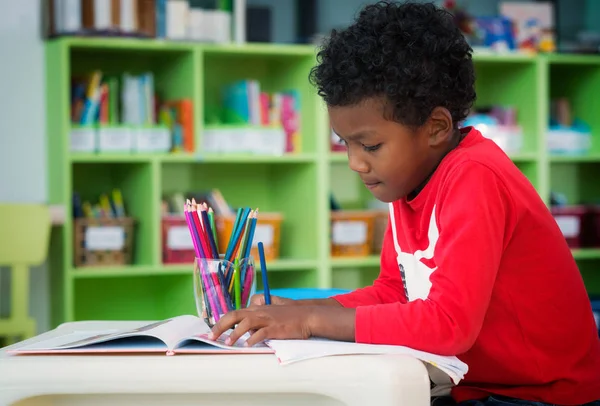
237,285
211,219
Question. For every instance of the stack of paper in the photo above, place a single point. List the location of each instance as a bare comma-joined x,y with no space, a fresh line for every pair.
290,351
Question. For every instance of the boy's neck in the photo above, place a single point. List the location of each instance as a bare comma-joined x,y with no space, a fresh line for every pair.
456,139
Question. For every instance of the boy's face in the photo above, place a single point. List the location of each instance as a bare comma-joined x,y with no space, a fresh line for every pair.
391,159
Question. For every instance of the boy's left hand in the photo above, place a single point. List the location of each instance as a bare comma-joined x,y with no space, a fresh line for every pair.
266,322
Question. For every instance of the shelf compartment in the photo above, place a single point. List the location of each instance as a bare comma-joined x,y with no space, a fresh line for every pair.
275,71
590,271
578,181
135,182
577,78
353,278
134,298
174,68
500,81
286,189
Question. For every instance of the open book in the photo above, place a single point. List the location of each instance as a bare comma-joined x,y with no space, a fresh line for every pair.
189,335
178,335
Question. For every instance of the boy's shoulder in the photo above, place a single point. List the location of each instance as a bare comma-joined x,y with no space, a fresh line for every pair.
476,152
478,165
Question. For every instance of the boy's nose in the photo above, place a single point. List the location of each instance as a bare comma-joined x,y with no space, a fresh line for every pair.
357,164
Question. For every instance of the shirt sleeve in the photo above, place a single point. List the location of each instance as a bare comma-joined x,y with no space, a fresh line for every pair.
473,208
387,288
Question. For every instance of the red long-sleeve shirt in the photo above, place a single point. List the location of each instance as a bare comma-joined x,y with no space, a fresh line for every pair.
488,277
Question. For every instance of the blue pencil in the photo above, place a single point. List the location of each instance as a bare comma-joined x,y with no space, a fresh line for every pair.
248,246
236,234
263,270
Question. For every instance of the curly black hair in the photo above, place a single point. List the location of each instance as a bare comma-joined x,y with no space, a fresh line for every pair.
411,54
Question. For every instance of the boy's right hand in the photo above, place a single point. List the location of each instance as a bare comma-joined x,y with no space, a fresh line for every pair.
259,300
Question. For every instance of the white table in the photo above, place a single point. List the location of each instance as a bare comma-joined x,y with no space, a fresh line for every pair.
228,379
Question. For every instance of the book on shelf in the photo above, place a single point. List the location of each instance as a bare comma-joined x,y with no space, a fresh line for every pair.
124,113
268,122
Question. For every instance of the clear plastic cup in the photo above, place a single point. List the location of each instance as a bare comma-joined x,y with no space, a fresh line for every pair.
218,289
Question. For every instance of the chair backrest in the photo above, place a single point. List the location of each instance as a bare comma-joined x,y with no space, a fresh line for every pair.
24,233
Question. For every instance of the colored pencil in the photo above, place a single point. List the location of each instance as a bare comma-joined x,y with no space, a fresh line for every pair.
209,233
229,286
263,270
237,284
211,217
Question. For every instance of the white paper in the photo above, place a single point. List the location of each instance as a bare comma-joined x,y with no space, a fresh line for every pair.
263,233
569,225
349,232
83,140
179,238
290,351
111,238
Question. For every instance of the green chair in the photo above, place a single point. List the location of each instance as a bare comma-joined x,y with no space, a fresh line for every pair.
24,238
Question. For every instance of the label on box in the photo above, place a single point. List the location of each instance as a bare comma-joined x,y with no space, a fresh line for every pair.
115,139
83,139
179,238
110,238
569,225
263,233
349,232
155,139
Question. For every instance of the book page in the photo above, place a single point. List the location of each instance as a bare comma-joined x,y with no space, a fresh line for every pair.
70,340
166,332
201,340
174,330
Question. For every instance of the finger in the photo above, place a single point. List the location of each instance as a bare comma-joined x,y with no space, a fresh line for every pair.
242,328
257,300
226,322
257,337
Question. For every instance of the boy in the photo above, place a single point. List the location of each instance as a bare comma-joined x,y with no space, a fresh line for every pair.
473,264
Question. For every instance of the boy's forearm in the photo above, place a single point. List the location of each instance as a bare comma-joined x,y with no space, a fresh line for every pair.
332,322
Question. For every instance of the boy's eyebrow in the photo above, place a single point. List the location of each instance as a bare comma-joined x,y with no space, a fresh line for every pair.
359,135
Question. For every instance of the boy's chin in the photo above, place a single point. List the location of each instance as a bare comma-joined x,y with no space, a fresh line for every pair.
382,196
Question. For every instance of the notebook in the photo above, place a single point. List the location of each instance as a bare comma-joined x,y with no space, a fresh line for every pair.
178,335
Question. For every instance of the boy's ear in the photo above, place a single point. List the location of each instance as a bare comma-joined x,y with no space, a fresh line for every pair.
441,126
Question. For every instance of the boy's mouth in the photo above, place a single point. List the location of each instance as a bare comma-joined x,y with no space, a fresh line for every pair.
372,185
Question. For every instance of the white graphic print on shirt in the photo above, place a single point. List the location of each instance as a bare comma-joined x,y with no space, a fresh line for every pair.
415,274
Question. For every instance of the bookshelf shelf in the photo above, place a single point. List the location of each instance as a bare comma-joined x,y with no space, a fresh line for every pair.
482,56
188,158
590,158
297,185
586,254
371,261
279,265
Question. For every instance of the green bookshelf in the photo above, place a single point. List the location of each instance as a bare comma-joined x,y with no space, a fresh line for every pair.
297,185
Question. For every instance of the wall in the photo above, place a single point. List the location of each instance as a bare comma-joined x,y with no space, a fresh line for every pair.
22,128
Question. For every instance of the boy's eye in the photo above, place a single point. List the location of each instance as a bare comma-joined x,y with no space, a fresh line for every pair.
342,141
371,148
